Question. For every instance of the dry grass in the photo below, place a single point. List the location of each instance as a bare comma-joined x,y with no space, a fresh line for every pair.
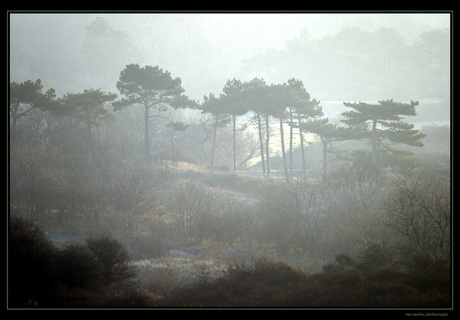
242,187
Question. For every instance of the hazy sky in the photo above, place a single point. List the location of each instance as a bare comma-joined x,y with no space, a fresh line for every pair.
235,37
248,34
262,31
204,50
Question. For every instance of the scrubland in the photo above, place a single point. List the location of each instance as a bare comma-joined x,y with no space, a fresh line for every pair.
372,238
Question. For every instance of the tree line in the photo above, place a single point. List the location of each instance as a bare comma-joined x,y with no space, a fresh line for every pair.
156,91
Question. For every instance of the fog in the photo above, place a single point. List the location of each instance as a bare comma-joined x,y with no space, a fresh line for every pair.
203,49
230,159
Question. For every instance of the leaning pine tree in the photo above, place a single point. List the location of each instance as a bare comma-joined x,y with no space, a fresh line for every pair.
386,125
215,106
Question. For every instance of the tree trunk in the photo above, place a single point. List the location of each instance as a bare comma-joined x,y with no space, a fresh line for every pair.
286,174
123,148
374,151
259,125
267,142
291,131
14,115
234,143
146,137
173,150
325,142
211,166
304,171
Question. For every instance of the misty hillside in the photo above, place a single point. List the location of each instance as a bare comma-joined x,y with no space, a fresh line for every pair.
163,160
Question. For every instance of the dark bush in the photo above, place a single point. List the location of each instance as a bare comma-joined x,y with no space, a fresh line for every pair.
260,282
39,275
113,261
373,255
31,277
246,282
77,267
430,271
342,262
260,270
273,273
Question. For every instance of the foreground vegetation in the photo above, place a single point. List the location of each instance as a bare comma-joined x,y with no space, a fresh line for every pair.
372,238
99,274
424,282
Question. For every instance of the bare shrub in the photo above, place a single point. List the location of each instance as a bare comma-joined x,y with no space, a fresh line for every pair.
112,259
160,284
192,208
202,272
418,212
253,270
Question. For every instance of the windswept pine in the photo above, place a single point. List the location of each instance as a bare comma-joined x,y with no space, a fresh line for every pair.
385,120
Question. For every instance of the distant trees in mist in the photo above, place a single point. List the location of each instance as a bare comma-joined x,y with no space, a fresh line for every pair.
254,102
370,61
363,64
264,102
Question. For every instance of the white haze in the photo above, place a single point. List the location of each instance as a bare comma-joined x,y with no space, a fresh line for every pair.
204,50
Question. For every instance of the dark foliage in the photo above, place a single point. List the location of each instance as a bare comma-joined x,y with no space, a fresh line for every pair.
31,277
342,284
77,267
40,275
112,260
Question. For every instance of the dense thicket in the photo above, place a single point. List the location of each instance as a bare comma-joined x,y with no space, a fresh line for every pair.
425,282
41,275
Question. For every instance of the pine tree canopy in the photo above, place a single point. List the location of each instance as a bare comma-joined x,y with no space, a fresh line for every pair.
385,110
87,106
149,86
386,119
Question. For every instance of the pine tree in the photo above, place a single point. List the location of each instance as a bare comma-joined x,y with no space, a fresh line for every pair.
87,107
28,96
218,109
277,108
235,103
150,87
256,97
386,122
304,109
176,126
328,133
